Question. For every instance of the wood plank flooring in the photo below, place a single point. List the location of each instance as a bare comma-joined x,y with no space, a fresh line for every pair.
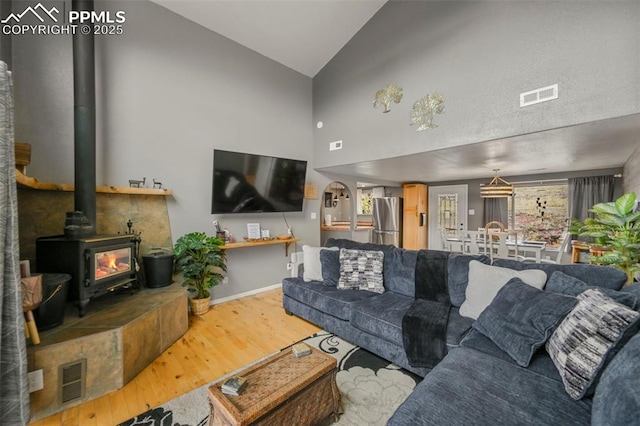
229,336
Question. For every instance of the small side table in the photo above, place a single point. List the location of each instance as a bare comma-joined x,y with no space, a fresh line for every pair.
578,247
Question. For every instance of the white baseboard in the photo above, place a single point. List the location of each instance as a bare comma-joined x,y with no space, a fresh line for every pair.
245,294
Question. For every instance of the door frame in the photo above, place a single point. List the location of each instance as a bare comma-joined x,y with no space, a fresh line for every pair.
463,211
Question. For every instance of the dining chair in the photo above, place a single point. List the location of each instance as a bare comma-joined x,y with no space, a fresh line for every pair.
451,243
502,245
475,242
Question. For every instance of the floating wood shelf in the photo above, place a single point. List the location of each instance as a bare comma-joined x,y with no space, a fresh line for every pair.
286,243
34,183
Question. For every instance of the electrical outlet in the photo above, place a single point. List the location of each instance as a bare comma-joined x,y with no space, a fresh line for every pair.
333,146
225,280
289,266
36,380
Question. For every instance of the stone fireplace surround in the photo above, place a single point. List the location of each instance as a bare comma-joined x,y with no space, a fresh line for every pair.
121,333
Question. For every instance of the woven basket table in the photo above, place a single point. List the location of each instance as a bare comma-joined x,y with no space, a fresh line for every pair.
281,390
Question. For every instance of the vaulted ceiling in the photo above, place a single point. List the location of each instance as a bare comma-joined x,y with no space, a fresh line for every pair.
305,34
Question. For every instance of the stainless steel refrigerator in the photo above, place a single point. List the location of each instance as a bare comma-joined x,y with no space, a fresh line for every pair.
387,221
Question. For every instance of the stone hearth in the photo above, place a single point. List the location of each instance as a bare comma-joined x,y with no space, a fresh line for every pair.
117,338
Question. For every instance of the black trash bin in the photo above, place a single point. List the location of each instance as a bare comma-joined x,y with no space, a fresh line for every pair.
158,268
50,313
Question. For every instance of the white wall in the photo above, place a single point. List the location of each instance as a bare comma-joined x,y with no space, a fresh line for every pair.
169,92
480,55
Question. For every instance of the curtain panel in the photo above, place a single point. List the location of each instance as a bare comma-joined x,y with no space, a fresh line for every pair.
586,191
14,393
496,209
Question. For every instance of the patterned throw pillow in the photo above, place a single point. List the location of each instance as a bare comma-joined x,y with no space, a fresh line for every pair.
361,270
588,338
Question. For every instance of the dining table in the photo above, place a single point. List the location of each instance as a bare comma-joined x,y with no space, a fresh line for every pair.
518,250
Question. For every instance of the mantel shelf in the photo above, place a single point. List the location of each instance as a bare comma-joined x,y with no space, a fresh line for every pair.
262,243
34,183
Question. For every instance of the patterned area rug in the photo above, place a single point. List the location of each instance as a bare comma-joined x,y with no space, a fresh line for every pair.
371,389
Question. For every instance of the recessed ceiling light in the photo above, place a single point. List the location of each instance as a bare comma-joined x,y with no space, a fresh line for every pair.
319,124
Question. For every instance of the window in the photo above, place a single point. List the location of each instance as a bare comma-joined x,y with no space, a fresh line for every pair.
541,212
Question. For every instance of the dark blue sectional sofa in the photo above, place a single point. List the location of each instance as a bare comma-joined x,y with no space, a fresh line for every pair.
476,383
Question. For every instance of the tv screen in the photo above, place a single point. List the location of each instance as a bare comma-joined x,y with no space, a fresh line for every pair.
249,183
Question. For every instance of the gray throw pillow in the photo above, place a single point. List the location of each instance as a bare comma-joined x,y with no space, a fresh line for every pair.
361,270
588,338
330,260
521,318
311,261
561,283
458,275
485,281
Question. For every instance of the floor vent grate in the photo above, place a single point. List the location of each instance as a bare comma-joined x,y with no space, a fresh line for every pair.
72,379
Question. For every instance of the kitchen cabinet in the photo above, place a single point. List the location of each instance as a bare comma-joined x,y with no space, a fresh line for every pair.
414,216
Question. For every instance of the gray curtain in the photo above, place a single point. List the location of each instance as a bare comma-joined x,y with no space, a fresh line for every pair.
496,209
586,191
14,394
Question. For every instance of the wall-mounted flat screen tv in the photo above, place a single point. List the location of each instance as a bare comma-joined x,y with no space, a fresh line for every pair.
250,183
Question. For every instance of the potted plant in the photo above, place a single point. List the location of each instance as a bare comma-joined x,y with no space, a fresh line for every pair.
202,261
615,226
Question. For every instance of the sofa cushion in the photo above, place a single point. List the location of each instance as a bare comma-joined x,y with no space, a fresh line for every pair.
617,398
457,327
588,338
400,271
312,265
361,269
329,300
470,387
633,289
595,275
381,316
521,318
330,260
458,275
399,264
486,280
561,283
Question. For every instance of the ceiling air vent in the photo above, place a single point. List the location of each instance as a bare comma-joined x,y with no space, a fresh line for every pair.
71,381
543,94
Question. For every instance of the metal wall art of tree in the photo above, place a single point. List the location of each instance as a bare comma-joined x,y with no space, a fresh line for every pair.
384,97
425,108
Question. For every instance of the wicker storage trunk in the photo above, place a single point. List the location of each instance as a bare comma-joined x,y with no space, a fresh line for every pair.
281,390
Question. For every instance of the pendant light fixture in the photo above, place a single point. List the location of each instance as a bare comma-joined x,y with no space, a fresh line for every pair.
497,188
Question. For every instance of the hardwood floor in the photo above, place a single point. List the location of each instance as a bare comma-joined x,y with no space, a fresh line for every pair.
229,336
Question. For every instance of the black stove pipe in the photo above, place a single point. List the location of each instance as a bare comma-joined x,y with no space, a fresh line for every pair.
84,116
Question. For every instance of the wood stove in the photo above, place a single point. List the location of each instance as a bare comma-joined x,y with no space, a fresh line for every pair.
98,264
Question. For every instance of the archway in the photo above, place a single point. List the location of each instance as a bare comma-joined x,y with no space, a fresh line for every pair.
336,212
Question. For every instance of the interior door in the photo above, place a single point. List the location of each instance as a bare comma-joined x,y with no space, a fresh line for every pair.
448,211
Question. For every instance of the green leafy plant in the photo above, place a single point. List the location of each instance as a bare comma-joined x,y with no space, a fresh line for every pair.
617,227
202,261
